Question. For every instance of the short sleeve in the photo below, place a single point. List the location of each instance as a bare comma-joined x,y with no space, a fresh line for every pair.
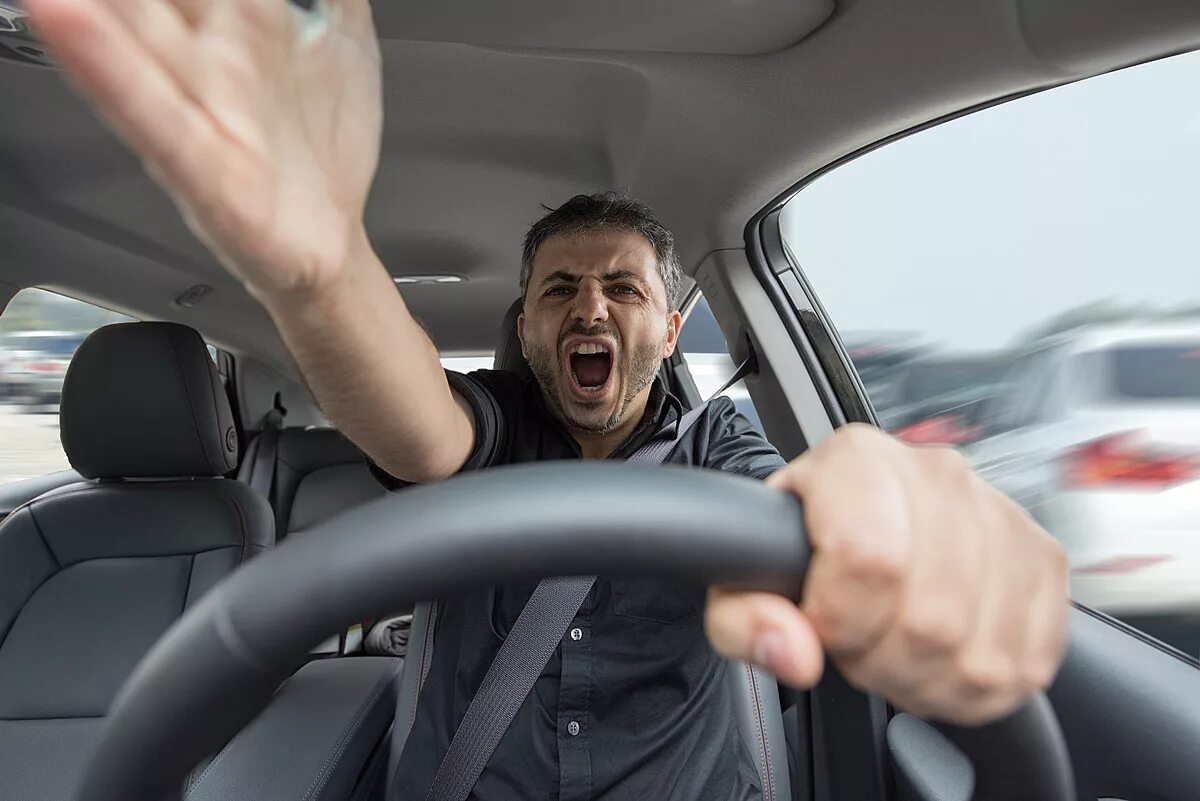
491,396
735,445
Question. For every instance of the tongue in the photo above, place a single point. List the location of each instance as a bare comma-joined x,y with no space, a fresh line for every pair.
590,370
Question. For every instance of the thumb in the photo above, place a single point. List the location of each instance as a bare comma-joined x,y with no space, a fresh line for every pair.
766,629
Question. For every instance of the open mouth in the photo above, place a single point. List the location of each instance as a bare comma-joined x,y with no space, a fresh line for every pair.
590,366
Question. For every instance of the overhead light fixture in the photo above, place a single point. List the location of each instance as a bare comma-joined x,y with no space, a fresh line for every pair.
194,296
428,279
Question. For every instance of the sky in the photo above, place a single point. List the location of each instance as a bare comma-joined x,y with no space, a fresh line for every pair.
974,231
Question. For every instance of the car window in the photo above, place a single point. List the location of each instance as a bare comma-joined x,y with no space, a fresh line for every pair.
465,364
1054,233
39,333
1163,372
706,355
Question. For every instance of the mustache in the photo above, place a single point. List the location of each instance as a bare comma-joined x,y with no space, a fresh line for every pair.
586,331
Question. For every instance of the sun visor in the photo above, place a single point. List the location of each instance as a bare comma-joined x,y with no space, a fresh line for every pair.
735,27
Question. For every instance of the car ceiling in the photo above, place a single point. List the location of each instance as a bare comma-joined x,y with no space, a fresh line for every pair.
706,110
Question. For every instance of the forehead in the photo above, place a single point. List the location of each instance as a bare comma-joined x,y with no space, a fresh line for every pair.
595,253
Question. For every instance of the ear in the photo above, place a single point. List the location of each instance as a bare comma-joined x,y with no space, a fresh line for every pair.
674,326
521,332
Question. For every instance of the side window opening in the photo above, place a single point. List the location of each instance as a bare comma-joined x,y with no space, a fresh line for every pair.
706,355
39,334
1052,233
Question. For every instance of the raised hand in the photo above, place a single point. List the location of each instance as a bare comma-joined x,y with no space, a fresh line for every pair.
261,121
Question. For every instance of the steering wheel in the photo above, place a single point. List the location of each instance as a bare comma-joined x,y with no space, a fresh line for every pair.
218,667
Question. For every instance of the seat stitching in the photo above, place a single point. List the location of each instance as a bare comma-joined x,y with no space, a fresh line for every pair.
762,722
340,748
209,374
38,528
191,405
4,634
242,524
187,592
758,730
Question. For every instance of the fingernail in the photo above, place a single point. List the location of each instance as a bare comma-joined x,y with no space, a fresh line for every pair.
770,652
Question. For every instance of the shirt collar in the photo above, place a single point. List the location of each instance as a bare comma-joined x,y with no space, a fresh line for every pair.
663,410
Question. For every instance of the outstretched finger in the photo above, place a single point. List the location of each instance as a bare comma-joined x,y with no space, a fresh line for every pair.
357,17
165,35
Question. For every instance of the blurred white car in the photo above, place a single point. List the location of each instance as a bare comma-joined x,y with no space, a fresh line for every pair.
1097,435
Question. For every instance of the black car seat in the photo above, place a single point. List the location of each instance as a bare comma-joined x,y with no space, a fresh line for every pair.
309,475
92,574
317,474
755,693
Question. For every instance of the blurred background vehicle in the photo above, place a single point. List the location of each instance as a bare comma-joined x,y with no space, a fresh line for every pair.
880,358
1098,436
939,399
34,366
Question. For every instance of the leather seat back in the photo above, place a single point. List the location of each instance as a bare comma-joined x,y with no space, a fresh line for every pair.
92,574
318,473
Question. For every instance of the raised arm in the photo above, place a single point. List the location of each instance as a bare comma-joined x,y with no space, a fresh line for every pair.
263,124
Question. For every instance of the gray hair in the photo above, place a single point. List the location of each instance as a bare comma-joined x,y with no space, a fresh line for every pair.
606,211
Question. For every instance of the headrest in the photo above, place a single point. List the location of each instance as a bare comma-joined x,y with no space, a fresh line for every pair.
508,352
143,400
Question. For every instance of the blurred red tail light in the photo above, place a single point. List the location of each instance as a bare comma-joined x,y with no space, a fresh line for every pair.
1121,459
940,430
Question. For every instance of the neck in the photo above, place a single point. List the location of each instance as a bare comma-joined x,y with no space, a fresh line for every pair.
601,446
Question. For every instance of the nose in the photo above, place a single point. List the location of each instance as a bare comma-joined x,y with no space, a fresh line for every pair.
591,305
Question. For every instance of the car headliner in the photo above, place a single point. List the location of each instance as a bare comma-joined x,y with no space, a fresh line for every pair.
513,114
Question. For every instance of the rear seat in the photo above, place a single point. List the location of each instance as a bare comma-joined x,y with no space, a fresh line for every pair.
318,473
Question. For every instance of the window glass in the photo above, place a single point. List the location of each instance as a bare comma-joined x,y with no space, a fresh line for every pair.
1061,224
39,332
1164,372
707,357
466,364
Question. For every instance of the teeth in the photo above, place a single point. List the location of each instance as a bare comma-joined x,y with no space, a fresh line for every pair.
589,348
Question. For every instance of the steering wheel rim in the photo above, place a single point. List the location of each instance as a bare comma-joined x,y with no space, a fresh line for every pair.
220,664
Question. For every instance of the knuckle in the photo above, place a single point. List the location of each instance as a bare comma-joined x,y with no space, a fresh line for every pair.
936,626
985,674
947,463
1056,558
234,65
860,435
868,559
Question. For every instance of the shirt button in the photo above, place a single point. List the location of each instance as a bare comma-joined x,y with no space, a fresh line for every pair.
576,634
573,728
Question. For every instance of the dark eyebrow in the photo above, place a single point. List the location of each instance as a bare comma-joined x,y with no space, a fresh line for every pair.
615,275
560,275
623,275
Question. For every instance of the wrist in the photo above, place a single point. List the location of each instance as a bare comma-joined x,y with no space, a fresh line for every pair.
320,288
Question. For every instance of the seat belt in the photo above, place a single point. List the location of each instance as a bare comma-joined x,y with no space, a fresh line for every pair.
262,476
528,647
